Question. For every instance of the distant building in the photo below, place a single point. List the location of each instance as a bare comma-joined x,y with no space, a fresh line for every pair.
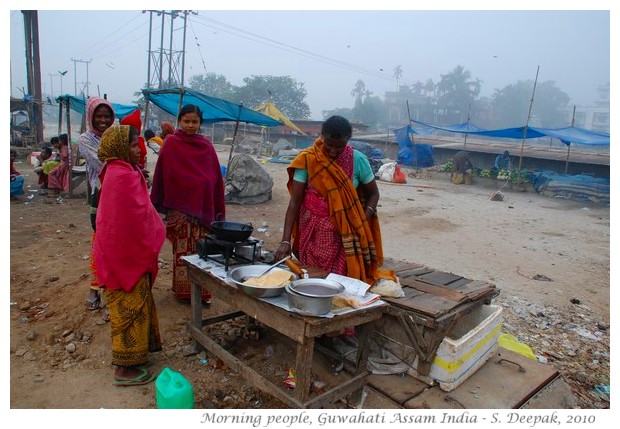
594,118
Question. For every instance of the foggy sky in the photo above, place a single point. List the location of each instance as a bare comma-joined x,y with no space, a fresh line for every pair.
327,51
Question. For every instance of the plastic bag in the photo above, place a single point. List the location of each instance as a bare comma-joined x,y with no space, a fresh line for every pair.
387,288
399,176
386,171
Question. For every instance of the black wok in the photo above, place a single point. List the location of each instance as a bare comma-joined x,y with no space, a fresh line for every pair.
231,231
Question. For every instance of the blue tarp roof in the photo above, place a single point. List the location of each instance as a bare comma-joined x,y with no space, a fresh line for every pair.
570,135
79,105
567,135
213,109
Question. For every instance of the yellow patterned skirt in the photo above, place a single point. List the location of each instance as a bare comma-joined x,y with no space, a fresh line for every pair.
134,323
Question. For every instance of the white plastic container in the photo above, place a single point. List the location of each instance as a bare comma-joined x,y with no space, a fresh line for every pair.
468,345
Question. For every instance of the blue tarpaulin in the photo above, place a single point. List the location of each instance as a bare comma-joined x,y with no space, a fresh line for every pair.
418,155
79,105
213,109
567,134
580,187
570,135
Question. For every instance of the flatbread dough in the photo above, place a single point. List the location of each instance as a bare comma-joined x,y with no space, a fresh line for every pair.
271,279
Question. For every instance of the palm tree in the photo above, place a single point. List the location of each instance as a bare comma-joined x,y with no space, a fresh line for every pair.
398,73
359,89
457,90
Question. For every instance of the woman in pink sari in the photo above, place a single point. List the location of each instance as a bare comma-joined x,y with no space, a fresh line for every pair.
130,235
58,178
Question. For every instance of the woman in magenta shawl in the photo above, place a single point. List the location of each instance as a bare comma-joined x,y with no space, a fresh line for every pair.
189,189
130,234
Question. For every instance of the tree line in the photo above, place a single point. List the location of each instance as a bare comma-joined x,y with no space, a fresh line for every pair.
454,98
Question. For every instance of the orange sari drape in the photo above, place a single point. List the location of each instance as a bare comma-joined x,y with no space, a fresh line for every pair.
361,237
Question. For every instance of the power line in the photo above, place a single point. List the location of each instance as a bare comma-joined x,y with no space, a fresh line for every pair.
204,66
112,38
226,28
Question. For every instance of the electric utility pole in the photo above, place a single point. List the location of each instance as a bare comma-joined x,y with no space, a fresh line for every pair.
166,66
33,72
86,95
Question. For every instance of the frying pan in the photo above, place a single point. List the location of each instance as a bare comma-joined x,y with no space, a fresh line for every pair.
232,231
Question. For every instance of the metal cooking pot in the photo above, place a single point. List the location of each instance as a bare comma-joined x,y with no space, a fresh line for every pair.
312,296
236,276
232,231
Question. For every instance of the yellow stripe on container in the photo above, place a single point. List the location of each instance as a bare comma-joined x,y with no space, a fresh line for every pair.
453,366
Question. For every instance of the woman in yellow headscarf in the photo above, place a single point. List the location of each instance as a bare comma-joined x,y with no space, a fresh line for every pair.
130,234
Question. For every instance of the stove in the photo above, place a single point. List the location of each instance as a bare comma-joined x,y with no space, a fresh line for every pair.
228,253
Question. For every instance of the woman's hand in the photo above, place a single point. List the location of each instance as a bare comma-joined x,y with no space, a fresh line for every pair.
284,249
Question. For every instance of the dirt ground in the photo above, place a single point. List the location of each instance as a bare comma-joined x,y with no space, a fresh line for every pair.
549,257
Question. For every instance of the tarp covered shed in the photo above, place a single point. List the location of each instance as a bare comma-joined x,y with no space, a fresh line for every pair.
213,109
567,134
269,108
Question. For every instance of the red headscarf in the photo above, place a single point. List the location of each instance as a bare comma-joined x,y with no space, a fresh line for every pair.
166,129
134,120
188,178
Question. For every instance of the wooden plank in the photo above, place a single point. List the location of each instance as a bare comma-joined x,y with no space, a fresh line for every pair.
459,283
497,384
442,291
245,371
474,287
410,292
303,368
397,387
419,271
413,272
341,391
398,266
428,304
439,278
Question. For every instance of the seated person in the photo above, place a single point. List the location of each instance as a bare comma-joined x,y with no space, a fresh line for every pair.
502,161
55,142
44,158
17,180
462,167
153,141
58,177
462,162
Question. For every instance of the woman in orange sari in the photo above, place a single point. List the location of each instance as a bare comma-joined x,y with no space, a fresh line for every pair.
331,221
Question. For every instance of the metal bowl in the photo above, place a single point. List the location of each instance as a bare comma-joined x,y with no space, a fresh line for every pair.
312,297
317,288
236,276
307,305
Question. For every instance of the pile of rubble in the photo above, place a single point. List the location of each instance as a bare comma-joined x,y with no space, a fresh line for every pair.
573,340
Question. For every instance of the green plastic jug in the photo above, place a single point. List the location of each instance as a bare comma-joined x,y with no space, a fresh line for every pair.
173,390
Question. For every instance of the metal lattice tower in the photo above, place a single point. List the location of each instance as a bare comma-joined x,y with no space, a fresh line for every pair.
166,66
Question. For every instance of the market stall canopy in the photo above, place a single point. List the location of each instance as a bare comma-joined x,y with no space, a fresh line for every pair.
269,108
79,105
567,134
570,135
213,109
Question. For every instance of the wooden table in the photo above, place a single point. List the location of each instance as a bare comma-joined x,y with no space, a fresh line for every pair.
302,329
433,303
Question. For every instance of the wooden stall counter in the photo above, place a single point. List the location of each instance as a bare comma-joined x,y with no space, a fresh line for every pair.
303,330
433,303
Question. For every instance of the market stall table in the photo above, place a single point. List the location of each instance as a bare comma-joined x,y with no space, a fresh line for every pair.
434,302
301,329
